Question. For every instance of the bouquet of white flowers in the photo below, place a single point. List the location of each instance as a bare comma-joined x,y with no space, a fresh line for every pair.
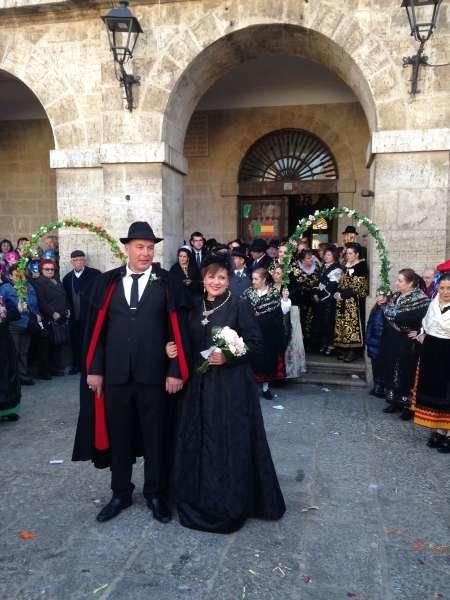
227,341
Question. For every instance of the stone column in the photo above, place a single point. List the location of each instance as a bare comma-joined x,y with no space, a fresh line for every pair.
410,178
113,185
79,194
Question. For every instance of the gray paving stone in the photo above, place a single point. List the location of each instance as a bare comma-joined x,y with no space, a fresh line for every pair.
380,530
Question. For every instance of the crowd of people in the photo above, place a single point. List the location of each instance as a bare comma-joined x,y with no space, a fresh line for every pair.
148,332
321,310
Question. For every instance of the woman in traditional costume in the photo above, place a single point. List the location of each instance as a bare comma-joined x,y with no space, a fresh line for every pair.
9,374
329,278
223,469
350,305
294,357
304,278
403,314
265,302
431,401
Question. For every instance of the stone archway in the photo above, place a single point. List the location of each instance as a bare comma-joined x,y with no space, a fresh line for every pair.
330,38
27,182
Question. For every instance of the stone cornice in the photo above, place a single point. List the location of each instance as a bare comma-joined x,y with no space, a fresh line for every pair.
408,140
17,8
96,156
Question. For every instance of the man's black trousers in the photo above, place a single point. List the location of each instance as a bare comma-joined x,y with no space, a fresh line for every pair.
136,416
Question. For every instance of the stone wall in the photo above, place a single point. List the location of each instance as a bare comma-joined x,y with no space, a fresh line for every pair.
210,200
27,184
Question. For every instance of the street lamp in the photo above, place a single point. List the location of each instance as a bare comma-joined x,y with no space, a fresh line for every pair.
422,16
123,31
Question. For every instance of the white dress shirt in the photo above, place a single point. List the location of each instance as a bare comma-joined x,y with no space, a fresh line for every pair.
239,272
127,281
78,274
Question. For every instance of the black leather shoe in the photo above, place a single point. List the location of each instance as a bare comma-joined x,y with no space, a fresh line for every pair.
406,414
160,509
392,408
435,440
113,508
267,395
444,446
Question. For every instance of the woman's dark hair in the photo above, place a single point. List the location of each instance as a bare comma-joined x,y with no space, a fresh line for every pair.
357,248
333,250
304,253
445,276
214,262
264,273
412,277
185,250
8,242
22,239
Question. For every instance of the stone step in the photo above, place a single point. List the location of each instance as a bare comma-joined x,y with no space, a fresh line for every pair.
337,367
331,379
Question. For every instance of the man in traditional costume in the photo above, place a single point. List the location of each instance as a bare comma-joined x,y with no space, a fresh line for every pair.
123,402
78,284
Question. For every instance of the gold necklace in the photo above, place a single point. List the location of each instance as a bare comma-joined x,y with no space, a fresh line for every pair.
207,313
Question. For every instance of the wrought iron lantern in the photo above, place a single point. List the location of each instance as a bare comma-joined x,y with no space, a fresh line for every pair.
123,31
422,16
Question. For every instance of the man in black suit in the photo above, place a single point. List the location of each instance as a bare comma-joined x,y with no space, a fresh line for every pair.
197,242
78,284
241,279
130,368
258,250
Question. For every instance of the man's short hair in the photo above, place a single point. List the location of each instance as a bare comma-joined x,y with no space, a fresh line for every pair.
196,234
77,254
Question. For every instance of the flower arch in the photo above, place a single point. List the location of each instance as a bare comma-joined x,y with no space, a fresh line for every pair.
333,213
30,248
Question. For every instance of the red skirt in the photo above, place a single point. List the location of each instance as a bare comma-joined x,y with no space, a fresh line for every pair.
280,372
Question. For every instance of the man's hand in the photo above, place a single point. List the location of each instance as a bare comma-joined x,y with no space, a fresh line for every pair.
95,383
173,385
171,350
56,316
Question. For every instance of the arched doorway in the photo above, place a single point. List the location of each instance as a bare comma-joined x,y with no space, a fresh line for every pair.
283,177
27,183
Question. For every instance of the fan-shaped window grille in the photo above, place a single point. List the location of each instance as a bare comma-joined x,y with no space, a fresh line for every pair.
288,155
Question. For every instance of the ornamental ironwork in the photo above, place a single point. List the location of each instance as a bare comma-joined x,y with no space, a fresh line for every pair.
288,155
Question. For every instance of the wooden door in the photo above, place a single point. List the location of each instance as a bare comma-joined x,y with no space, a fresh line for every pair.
263,217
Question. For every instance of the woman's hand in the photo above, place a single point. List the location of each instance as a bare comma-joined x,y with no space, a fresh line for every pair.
171,350
95,383
217,358
56,316
337,296
413,335
316,298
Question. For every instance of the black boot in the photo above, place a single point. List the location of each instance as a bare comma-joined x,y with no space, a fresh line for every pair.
444,446
377,391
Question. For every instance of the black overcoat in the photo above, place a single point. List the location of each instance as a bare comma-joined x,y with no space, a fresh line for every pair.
87,281
124,350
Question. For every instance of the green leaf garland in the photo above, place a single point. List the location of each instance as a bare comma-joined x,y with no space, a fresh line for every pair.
333,213
30,248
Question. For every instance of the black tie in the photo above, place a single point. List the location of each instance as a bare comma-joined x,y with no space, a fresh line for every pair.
134,297
199,258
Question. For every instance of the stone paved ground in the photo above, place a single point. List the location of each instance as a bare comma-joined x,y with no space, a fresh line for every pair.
379,529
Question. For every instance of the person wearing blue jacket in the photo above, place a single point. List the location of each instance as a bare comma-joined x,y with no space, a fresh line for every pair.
373,342
20,330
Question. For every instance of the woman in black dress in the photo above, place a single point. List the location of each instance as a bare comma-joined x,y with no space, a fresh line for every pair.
223,471
329,277
9,373
304,278
184,275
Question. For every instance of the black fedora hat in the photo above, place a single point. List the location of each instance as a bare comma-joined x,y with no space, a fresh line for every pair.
140,230
258,245
350,229
238,252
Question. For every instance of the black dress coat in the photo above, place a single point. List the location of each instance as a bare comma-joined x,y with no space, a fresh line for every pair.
51,297
183,286
126,348
86,281
223,471
238,285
